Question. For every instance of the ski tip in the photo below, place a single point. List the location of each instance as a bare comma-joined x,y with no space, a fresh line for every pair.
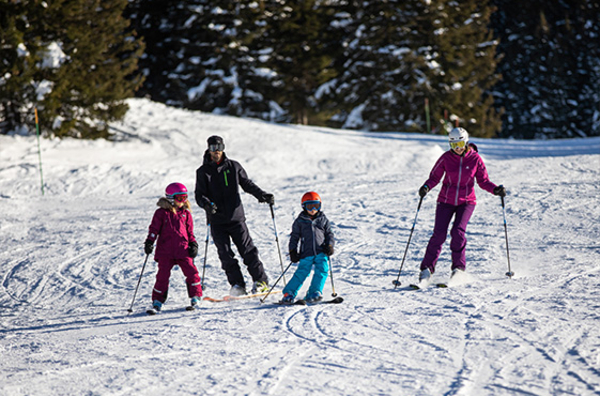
414,286
441,285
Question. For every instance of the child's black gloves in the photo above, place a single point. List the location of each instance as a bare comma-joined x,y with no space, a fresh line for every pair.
294,256
193,249
148,246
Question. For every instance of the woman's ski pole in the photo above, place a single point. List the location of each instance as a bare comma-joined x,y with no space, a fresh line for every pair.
510,274
138,284
205,253
397,281
277,240
333,293
262,300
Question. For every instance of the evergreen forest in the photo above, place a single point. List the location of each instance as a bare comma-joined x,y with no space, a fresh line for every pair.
499,68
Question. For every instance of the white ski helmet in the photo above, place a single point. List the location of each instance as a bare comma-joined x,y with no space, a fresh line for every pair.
457,135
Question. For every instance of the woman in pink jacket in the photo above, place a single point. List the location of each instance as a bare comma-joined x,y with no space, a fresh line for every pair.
460,167
173,226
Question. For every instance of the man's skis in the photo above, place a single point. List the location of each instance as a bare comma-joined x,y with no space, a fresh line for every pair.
236,298
336,300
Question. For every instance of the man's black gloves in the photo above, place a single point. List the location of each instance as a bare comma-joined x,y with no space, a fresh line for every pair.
328,250
210,208
267,198
193,249
500,191
423,190
294,256
148,246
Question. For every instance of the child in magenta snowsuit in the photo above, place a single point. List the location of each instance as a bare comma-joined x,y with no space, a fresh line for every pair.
173,228
460,167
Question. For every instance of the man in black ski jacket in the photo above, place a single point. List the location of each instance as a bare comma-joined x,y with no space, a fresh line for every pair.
217,192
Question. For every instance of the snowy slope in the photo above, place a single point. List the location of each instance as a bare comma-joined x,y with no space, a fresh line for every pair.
70,261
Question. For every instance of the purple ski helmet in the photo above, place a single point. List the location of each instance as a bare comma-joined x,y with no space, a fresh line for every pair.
174,189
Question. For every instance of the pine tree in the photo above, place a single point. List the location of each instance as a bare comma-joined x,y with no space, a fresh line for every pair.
401,53
160,23
299,50
459,47
380,84
551,68
199,55
80,59
16,67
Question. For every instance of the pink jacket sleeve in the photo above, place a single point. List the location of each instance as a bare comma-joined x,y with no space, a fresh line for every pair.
482,177
436,173
156,224
190,228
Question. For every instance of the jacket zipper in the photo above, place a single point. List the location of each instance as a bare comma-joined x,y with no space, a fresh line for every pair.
314,239
459,178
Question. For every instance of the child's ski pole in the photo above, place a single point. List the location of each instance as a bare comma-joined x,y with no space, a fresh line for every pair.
333,293
138,284
262,300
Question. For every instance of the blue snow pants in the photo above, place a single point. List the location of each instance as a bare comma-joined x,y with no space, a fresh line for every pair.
321,269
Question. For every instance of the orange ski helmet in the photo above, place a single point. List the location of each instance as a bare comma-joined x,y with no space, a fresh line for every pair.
310,196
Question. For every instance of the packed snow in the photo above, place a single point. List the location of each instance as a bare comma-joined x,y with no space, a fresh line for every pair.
71,259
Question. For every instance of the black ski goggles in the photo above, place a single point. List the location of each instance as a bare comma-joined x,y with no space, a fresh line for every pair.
216,147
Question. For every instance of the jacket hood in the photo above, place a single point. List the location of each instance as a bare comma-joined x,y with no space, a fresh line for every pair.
164,203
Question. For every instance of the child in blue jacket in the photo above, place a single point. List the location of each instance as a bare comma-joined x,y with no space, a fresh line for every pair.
312,229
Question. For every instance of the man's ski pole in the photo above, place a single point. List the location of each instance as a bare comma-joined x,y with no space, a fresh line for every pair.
277,240
262,300
397,281
333,293
138,284
510,274
205,253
